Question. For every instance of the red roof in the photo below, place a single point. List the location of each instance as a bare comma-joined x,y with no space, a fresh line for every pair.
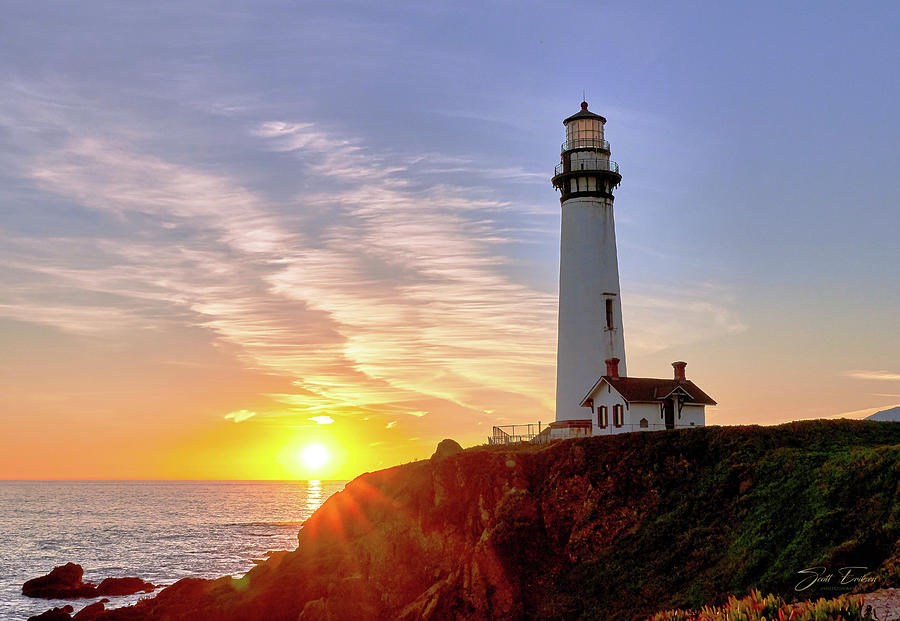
649,389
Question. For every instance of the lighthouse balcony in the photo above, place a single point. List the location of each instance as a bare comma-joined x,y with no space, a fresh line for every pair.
596,164
585,143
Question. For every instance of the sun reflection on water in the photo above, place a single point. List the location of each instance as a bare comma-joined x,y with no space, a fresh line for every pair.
314,496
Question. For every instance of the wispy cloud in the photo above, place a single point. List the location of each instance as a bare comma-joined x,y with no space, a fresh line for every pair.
399,295
110,176
440,164
326,155
240,416
887,376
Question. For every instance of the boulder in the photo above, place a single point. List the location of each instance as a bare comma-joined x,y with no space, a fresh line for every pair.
445,449
63,582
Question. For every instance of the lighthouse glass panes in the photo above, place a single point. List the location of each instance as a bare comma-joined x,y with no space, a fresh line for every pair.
584,133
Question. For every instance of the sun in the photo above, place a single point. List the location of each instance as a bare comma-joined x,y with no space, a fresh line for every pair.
311,458
314,456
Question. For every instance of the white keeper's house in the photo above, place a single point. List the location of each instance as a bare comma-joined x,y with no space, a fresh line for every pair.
594,394
620,404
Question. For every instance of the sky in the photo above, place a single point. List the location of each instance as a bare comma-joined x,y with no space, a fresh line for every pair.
230,231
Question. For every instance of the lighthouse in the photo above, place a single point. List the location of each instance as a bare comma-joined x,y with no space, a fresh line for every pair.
594,395
590,305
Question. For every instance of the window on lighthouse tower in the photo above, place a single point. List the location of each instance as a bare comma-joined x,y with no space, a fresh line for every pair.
609,314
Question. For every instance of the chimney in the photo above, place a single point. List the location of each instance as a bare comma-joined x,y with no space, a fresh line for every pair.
679,371
612,368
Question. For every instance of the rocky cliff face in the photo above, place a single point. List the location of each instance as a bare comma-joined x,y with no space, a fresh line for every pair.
614,527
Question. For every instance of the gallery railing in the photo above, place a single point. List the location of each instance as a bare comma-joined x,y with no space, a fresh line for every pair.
585,143
587,165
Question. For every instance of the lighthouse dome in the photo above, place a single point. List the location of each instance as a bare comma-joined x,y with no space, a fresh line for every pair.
584,113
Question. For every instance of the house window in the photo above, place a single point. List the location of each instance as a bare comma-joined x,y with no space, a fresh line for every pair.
644,423
618,415
609,314
602,420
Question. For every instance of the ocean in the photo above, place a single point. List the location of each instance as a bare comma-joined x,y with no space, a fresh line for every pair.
160,531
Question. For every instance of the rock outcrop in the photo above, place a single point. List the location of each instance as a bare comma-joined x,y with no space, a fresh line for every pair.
91,612
66,582
54,614
123,586
597,528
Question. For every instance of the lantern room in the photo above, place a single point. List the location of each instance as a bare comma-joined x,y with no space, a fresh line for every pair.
584,129
585,168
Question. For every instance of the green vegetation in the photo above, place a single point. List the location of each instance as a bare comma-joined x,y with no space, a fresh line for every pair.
700,514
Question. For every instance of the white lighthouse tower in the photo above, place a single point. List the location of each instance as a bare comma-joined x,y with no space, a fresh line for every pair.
590,307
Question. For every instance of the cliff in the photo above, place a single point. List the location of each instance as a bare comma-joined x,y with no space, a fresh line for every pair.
601,528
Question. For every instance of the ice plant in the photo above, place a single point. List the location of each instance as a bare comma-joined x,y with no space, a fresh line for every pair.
757,607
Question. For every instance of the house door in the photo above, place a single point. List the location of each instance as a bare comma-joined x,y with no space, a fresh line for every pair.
669,411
